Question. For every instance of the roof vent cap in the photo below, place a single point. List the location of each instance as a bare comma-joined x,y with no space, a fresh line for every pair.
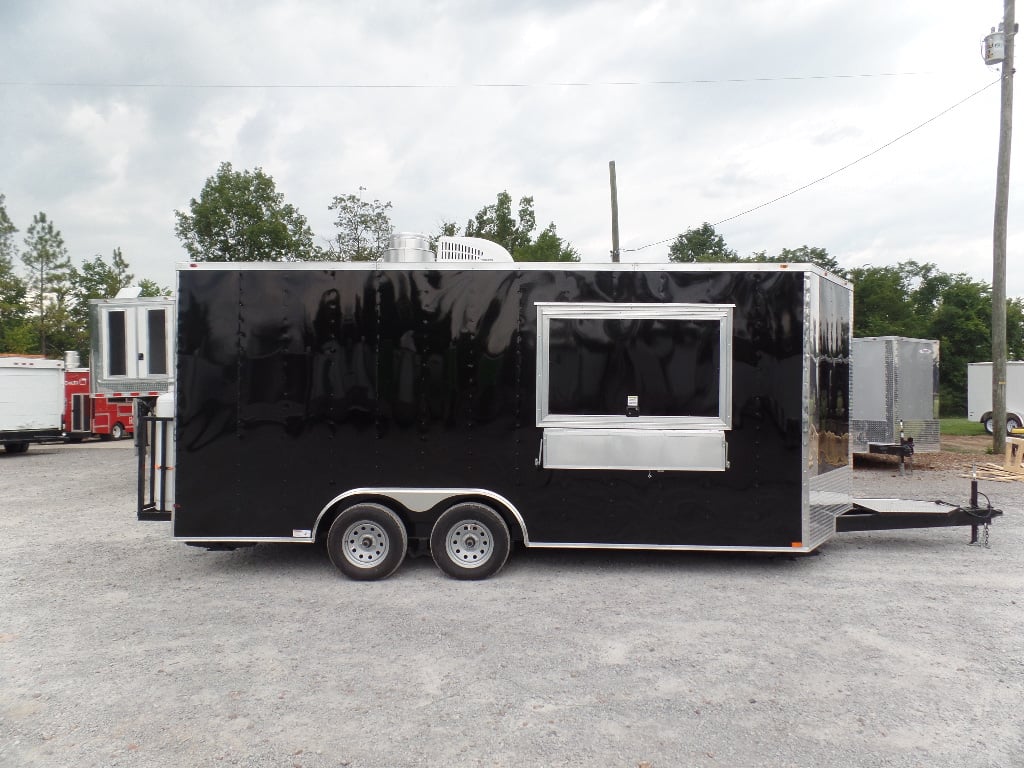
470,249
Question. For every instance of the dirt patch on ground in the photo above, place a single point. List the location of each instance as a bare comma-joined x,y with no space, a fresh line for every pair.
966,443
957,453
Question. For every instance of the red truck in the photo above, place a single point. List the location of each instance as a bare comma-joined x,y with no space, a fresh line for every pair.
96,414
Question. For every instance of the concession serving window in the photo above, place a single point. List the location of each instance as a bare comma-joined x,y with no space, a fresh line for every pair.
634,386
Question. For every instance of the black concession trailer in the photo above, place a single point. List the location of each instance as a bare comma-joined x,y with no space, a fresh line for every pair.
459,407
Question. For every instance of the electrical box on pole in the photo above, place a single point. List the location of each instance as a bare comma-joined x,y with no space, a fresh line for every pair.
993,46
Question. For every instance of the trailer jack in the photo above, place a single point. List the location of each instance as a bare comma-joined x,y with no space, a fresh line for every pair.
904,449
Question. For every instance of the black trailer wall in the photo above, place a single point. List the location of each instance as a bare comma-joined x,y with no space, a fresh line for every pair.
297,385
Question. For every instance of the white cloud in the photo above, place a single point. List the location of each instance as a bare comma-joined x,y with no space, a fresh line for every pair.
111,158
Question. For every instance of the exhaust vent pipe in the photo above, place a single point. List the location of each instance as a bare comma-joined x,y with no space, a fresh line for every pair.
409,247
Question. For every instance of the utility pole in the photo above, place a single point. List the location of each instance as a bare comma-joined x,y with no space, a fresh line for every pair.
1009,28
615,209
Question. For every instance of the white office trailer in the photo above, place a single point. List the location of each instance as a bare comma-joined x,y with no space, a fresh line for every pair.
31,401
979,394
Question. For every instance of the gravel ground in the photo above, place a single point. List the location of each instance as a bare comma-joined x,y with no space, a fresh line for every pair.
121,647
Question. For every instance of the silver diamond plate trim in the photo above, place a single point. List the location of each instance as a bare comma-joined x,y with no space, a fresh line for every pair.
830,495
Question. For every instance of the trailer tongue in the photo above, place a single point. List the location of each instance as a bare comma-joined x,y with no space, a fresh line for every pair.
892,514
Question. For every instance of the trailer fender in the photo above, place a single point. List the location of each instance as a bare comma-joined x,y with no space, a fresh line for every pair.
423,500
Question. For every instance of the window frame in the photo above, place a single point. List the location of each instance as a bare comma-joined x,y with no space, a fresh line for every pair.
156,351
722,313
116,348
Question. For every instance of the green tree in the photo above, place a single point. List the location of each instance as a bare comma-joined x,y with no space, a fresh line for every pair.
150,288
95,280
699,245
7,232
962,322
99,280
49,266
62,331
13,291
514,231
13,308
1015,329
498,224
364,228
240,216
882,303
921,301
803,255
21,339
547,247
446,229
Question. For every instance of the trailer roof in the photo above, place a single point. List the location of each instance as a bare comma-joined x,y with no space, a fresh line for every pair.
14,361
519,266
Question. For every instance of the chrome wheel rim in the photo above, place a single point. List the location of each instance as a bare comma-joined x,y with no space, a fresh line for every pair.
365,544
470,544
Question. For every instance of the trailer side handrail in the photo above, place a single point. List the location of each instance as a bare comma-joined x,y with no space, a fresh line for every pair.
151,431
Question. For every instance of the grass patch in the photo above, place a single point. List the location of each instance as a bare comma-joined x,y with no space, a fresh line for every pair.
960,427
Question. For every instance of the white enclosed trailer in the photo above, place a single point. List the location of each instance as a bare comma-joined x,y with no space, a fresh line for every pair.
979,394
895,393
31,401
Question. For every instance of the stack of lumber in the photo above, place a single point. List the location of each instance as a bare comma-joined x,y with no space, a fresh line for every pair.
1012,468
992,471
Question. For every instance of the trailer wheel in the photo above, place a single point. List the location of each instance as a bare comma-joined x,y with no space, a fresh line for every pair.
117,431
1012,423
367,542
470,541
16,447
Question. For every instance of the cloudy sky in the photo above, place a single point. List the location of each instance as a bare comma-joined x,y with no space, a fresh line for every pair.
115,113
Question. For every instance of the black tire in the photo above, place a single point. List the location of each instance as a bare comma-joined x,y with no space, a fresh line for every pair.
470,541
117,431
16,447
1012,423
367,542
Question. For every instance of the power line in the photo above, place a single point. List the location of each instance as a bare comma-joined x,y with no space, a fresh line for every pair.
444,86
837,170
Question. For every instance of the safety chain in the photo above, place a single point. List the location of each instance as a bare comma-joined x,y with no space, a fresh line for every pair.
984,542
